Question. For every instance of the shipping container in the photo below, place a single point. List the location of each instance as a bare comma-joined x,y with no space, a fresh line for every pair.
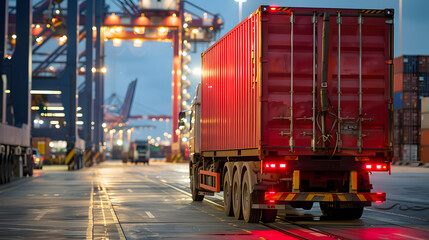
397,117
398,135
425,105
410,153
406,64
424,64
286,93
424,138
411,117
424,85
425,121
411,134
42,144
424,154
398,101
397,152
411,100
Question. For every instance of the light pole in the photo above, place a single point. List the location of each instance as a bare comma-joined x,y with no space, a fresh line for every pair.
240,7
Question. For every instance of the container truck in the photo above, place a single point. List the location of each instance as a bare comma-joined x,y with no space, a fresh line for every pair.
138,151
294,107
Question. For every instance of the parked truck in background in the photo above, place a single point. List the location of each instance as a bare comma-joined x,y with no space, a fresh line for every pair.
294,107
138,151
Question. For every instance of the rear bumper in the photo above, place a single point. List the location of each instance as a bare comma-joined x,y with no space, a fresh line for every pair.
324,197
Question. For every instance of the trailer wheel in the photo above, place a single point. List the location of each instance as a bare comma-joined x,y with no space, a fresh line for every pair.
227,197
250,215
236,197
268,215
193,186
341,213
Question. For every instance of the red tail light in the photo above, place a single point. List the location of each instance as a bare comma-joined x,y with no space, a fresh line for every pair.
43,158
376,167
271,166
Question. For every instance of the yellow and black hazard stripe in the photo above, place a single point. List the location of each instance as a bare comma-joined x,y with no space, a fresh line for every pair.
367,11
325,197
177,158
88,158
70,156
283,9
97,157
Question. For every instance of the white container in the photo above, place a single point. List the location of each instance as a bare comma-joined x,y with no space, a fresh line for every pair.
410,153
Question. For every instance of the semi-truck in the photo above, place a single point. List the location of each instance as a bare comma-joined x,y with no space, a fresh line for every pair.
138,151
294,108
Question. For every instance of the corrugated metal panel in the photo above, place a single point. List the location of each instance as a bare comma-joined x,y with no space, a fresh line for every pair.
424,154
425,105
230,94
398,101
425,121
397,118
411,135
424,138
410,82
229,106
424,85
410,153
424,64
411,117
406,64
399,82
411,100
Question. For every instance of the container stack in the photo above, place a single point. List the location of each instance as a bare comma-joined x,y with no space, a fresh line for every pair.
411,85
424,140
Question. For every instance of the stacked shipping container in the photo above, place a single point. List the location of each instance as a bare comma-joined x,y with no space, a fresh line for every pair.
411,85
424,149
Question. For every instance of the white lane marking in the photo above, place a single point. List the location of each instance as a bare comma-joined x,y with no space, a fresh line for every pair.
42,214
90,216
409,237
129,190
149,214
162,180
186,193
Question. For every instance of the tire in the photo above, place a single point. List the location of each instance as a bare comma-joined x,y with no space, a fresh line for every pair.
193,184
341,213
268,215
227,196
236,197
250,215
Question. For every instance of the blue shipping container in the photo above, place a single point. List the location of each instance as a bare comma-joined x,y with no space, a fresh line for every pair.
411,64
398,100
424,84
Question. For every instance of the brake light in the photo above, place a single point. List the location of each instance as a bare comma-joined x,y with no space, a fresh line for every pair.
272,201
274,166
376,167
43,158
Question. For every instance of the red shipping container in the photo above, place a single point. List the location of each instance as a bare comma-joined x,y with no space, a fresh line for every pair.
424,64
399,82
398,65
424,154
424,138
260,95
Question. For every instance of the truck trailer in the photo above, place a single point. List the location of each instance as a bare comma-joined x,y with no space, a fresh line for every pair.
294,107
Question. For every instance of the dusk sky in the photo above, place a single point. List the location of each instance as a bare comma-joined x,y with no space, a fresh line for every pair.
152,63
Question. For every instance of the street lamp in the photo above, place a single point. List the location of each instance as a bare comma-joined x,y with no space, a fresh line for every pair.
240,7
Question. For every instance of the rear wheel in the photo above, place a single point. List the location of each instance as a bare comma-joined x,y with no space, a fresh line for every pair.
236,197
227,196
193,186
268,215
250,215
